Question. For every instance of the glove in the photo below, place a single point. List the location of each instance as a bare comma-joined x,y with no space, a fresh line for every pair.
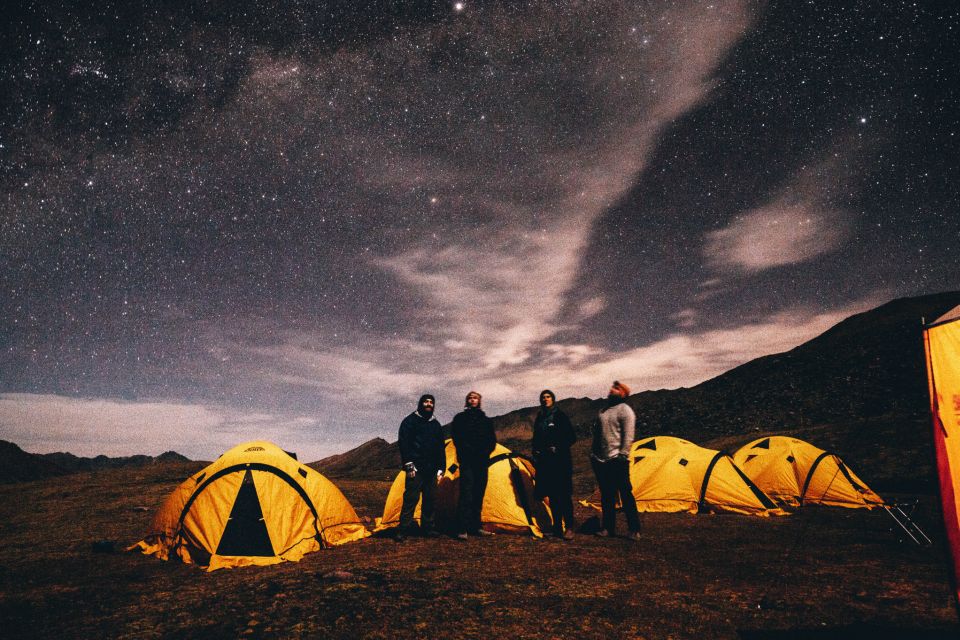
411,470
439,473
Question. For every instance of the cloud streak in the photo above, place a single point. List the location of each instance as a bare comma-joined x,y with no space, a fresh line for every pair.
800,223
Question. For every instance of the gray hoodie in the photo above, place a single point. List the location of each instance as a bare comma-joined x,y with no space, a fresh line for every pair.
613,432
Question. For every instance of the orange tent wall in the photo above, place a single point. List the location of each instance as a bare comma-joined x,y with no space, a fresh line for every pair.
942,347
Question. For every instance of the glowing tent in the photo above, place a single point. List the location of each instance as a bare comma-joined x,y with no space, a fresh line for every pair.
256,505
509,504
672,474
941,340
795,473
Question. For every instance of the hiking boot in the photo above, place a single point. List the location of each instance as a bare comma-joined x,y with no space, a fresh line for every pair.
462,536
483,533
568,535
634,536
602,533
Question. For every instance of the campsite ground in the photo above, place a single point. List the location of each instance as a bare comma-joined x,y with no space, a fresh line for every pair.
819,573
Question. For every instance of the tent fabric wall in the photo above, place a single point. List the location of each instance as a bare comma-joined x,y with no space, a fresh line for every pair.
674,475
509,504
794,472
942,348
256,498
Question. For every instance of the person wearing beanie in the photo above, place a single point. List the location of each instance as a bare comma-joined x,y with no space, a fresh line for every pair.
610,457
423,458
553,435
474,439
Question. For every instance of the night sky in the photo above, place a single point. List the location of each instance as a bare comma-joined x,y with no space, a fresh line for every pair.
222,221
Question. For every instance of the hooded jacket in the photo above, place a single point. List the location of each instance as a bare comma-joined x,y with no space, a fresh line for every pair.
421,442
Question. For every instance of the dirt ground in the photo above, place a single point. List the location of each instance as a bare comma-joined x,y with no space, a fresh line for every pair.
821,573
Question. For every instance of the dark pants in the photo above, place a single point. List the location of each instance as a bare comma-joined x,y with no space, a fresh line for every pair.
473,484
561,508
555,482
424,483
613,477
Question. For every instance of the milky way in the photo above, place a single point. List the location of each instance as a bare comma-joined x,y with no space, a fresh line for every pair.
288,221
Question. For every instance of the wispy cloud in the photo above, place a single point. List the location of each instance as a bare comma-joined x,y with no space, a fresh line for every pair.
495,294
802,222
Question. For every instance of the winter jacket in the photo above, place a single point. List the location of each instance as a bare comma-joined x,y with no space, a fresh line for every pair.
553,435
421,442
473,436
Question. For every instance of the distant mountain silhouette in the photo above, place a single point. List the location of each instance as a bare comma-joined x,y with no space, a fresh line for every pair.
373,455
16,465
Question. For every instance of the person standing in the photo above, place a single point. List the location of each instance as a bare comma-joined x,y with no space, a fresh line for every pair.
553,435
423,458
474,439
610,457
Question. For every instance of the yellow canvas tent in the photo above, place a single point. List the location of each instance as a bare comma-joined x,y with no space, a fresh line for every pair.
256,505
795,473
671,474
942,345
509,504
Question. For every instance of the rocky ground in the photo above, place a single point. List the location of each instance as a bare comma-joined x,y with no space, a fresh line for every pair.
820,573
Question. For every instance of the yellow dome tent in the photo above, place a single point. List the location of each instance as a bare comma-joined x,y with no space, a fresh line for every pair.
256,505
795,473
509,504
671,474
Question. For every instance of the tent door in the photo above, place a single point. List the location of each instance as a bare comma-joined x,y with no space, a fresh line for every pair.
246,533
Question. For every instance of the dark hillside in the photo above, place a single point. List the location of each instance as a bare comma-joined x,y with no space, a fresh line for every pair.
16,465
375,459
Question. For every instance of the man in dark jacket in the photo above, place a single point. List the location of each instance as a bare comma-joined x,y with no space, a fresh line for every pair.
474,440
423,459
553,435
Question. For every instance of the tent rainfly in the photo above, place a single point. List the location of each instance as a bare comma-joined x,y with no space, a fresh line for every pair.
796,473
256,505
671,474
941,341
509,504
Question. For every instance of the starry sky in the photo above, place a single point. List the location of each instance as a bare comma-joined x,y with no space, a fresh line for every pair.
222,221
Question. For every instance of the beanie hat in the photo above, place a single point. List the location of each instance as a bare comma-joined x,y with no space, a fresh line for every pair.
619,389
425,396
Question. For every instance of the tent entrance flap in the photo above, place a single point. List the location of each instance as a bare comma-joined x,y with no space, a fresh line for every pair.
246,532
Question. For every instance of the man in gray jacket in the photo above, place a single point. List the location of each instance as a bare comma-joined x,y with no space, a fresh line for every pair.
610,458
